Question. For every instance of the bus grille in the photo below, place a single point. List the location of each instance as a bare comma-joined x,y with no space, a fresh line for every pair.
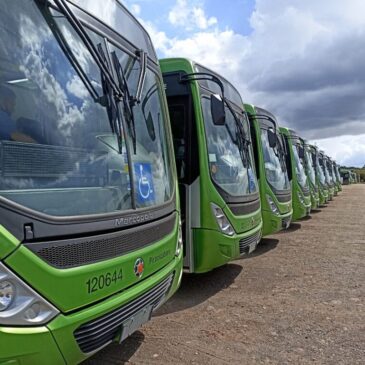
100,332
245,208
84,251
245,243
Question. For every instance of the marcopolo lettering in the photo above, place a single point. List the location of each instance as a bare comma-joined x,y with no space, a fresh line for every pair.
135,219
157,258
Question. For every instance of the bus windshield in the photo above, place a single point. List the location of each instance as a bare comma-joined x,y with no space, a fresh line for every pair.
338,173
320,169
299,166
310,167
60,153
328,172
322,163
275,166
227,167
333,173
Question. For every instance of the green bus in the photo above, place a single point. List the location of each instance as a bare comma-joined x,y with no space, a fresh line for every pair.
338,176
300,185
346,177
90,243
271,168
331,169
321,177
323,163
220,201
310,167
329,177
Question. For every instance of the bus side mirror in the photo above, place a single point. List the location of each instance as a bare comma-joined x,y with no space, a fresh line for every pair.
218,110
301,152
272,138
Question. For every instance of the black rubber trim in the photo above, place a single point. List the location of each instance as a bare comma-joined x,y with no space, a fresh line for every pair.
99,332
245,208
65,254
283,198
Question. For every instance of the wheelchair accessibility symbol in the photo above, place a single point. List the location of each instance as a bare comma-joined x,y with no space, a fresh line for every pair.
144,181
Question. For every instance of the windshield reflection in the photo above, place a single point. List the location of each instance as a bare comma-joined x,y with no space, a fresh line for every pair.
310,167
299,167
226,165
275,168
56,142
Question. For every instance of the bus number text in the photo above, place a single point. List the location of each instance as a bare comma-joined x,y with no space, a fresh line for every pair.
103,281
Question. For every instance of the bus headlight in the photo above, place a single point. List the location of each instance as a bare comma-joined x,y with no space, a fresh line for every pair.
301,199
20,305
7,292
272,205
179,243
223,222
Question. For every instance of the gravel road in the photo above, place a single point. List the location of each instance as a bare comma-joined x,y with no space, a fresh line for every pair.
299,299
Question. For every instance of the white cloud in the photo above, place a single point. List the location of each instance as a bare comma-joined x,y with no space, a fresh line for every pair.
346,150
303,61
136,9
190,16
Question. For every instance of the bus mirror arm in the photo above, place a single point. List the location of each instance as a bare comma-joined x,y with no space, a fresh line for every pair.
142,76
202,76
217,101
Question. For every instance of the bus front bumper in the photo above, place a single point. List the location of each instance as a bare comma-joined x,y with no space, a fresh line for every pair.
55,343
213,249
315,202
275,223
301,211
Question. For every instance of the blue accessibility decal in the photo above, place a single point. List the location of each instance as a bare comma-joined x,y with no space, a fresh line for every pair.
144,183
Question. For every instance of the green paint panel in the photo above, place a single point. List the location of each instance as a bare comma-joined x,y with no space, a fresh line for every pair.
28,346
69,289
63,326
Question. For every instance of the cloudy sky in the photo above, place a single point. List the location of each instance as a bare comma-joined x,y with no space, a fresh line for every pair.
302,60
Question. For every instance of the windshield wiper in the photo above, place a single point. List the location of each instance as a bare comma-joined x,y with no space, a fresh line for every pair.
128,100
242,141
55,29
112,93
111,105
281,155
142,76
82,33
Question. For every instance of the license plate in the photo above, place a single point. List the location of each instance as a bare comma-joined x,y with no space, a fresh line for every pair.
252,247
134,323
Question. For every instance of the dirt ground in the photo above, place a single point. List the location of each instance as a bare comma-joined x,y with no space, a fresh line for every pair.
299,299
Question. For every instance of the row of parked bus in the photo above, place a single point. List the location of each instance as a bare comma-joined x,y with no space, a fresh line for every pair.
118,171
241,175
349,177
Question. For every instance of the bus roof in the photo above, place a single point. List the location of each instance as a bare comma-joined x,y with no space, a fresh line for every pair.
265,112
230,91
